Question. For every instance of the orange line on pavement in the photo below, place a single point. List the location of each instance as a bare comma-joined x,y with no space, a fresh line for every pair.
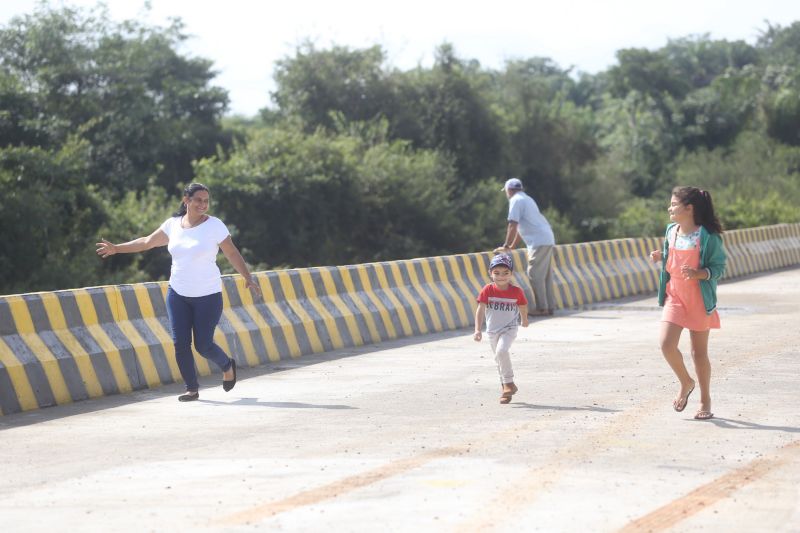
704,497
337,488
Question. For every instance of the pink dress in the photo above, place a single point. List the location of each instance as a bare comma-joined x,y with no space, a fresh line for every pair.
684,305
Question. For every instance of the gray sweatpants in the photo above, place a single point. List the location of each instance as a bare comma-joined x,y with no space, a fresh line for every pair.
540,272
501,344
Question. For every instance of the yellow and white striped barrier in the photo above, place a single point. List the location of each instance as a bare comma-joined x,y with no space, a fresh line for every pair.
63,346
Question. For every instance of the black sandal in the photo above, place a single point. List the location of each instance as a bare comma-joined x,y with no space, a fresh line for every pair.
229,384
189,397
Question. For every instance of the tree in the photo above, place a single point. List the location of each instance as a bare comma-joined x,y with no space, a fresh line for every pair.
445,108
548,139
145,109
700,61
316,83
336,198
47,217
717,114
780,45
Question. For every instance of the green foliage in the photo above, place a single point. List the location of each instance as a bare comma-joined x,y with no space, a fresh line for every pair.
135,214
782,104
102,123
326,198
743,211
445,108
641,217
145,109
47,216
779,45
314,83
564,231
717,114
740,200
699,61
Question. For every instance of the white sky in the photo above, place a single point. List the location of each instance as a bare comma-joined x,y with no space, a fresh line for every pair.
244,38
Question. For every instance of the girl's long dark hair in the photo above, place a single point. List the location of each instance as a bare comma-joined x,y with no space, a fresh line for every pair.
188,192
703,207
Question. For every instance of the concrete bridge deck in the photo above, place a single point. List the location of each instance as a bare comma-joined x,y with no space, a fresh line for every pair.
409,436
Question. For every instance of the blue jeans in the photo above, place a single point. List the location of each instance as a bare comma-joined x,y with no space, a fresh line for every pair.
199,315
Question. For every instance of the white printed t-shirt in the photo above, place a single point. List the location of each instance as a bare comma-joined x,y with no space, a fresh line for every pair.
194,251
502,307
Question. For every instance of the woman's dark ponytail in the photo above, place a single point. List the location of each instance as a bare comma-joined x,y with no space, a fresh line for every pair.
704,214
188,192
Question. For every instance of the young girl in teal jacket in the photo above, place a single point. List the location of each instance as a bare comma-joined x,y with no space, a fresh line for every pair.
692,260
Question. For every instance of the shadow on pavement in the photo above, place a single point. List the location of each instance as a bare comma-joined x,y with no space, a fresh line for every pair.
727,423
523,405
284,405
56,412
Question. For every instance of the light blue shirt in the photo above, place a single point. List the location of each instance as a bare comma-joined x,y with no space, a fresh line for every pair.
532,226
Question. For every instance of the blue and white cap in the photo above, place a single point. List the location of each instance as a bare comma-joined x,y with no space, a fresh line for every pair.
512,185
501,260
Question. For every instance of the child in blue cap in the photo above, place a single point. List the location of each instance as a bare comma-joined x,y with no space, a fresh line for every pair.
499,304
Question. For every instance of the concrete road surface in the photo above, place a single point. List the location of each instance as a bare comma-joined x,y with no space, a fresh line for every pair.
409,436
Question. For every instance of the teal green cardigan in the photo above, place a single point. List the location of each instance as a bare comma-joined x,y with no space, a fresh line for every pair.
712,257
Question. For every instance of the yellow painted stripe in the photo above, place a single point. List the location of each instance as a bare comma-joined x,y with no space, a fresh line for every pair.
592,271
313,298
376,302
264,329
20,314
639,275
650,269
755,252
24,324
477,281
249,308
273,353
463,316
143,301
83,362
285,324
89,317
350,288
580,278
165,340
589,268
620,273
383,283
346,312
628,282
305,319
242,333
571,286
432,311
744,253
19,379
412,302
604,257
469,293
790,244
560,283
136,340
158,329
781,245
444,302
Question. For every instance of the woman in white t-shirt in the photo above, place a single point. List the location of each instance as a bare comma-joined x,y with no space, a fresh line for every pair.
194,297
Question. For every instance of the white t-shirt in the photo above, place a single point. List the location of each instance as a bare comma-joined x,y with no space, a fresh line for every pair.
194,251
532,226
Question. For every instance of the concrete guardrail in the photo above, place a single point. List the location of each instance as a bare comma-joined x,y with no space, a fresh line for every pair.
63,346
